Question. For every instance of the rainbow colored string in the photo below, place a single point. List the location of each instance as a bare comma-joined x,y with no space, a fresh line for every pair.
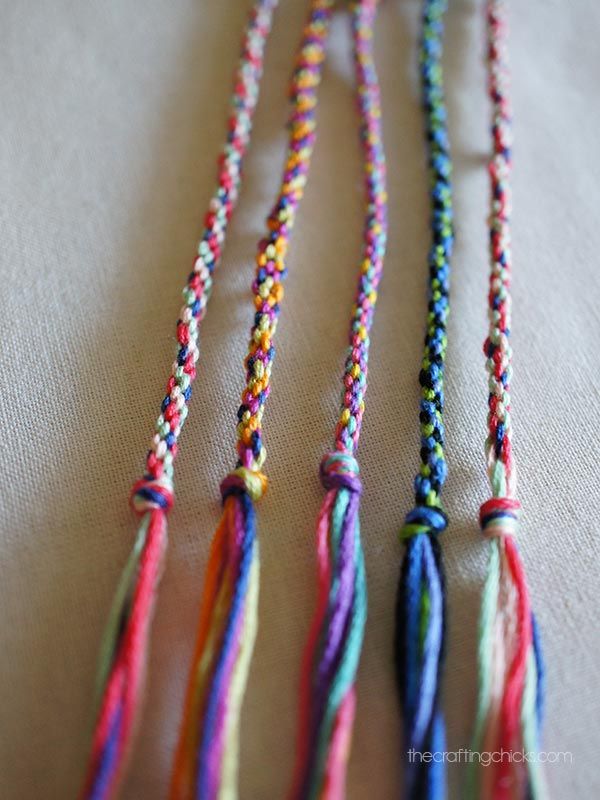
206,760
327,694
124,648
511,674
510,664
421,602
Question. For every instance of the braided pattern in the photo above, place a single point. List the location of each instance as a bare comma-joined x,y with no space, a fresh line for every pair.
197,291
375,231
124,648
497,347
270,260
420,609
327,694
509,655
206,759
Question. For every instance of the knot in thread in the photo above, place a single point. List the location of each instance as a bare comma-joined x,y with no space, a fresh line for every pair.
499,516
340,471
424,519
149,494
242,479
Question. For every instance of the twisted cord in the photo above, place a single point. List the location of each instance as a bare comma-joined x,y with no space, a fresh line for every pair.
327,693
124,648
421,604
206,759
509,655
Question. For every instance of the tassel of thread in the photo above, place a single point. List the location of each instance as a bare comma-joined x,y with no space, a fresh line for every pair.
125,645
327,694
510,664
420,651
421,603
206,760
122,662
331,657
205,763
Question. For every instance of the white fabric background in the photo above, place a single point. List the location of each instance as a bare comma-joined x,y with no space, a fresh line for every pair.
112,115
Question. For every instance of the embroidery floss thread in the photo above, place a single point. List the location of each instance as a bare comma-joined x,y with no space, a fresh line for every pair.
327,692
421,602
125,644
206,759
509,655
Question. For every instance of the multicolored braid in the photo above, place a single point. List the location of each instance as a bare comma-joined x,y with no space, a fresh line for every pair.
124,648
206,759
327,695
421,603
510,664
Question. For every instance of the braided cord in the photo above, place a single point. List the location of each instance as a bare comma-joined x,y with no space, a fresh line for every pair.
327,692
196,294
432,474
270,262
420,610
497,346
205,764
124,648
509,654
375,228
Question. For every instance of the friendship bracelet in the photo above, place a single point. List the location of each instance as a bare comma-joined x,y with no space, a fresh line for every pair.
206,759
421,601
511,673
124,648
327,693
509,655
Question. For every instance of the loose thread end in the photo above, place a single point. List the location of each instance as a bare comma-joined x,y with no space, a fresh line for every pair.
206,761
510,666
332,652
124,650
420,650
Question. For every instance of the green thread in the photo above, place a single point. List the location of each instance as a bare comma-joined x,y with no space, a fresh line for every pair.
118,611
346,669
485,653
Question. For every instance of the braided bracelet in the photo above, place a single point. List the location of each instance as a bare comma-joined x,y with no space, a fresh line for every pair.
125,644
206,758
420,608
327,693
509,655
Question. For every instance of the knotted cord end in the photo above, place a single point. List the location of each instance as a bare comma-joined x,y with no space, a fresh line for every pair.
340,471
424,519
499,516
148,494
242,479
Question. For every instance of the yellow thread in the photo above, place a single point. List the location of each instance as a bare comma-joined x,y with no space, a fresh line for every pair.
239,678
255,483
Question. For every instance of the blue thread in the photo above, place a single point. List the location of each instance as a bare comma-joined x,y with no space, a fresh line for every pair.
504,514
541,672
154,496
105,772
239,598
432,518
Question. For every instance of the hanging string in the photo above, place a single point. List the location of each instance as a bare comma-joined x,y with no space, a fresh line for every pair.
421,600
124,649
509,655
207,753
327,693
